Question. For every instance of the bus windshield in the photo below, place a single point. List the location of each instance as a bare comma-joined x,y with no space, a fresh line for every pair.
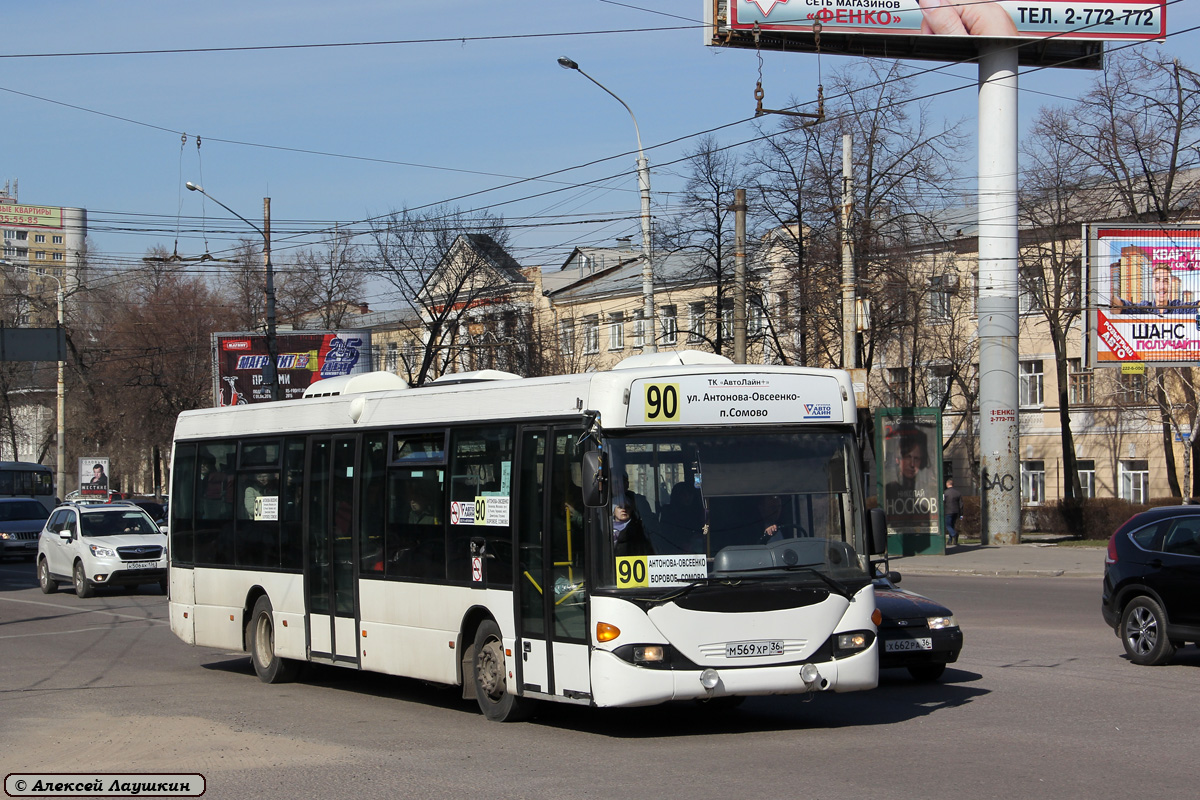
732,505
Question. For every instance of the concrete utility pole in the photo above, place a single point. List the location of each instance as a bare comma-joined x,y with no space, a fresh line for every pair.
849,307
739,276
650,344
999,441
271,370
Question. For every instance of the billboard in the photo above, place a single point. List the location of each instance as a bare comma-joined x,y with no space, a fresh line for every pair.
908,444
1145,294
1067,32
27,216
303,357
93,477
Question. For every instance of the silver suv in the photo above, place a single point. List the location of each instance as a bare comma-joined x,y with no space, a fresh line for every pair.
101,545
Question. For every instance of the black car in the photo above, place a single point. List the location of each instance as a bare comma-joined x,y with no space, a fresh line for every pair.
1151,595
21,521
915,633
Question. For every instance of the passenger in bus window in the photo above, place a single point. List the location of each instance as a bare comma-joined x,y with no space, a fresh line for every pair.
770,509
260,487
629,536
420,509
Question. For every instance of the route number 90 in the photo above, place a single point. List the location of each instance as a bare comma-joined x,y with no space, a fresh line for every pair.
662,402
631,572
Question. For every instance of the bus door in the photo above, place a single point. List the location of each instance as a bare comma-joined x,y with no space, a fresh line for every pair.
552,633
329,559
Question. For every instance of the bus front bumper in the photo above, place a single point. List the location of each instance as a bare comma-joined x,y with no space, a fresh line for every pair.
616,682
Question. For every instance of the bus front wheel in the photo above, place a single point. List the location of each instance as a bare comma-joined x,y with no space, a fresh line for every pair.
260,641
491,678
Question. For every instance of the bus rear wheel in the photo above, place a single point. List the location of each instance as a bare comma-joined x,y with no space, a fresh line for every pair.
491,678
260,641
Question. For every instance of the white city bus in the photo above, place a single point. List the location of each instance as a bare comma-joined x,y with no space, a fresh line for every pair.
465,533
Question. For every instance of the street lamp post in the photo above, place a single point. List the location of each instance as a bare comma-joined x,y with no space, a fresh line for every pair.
271,371
60,450
643,167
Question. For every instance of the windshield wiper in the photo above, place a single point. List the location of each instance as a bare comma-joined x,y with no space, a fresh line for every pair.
676,594
837,586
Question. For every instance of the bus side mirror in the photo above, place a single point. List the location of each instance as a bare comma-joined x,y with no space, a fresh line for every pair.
595,479
878,532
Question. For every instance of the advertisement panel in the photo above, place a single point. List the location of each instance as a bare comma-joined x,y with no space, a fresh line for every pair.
303,357
908,444
1060,19
27,216
93,477
1145,290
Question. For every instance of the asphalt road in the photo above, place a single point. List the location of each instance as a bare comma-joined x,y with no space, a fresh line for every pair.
1041,704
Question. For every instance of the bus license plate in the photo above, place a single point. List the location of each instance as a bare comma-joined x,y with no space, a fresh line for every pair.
773,647
139,565
906,645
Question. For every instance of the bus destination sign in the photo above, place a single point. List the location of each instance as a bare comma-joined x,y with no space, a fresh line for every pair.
762,397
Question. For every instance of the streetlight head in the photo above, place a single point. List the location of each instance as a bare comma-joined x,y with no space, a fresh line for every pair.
567,63
193,187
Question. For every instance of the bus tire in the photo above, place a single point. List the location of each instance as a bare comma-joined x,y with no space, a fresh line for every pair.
260,641
47,584
490,676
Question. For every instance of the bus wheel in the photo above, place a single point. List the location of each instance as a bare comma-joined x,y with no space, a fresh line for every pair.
491,678
260,641
48,584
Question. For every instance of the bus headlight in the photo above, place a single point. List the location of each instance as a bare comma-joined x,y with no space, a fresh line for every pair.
643,654
851,642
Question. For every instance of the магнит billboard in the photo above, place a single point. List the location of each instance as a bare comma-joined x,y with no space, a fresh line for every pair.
303,357
1145,287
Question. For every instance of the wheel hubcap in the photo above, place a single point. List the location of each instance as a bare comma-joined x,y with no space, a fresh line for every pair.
489,671
264,640
1142,631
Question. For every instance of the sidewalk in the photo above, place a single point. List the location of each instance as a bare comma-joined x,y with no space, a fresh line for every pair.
1031,558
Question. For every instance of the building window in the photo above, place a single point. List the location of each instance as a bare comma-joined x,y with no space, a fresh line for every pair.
22,236
41,270
1080,382
938,380
1132,388
938,302
591,334
1029,295
1033,482
56,239
39,238
10,252
695,322
757,320
39,255
1087,477
639,330
1031,383
393,357
727,323
10,234
58,256
566,336
670,325
616,331
1135,480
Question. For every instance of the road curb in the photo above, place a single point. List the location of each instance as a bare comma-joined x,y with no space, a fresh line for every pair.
999,573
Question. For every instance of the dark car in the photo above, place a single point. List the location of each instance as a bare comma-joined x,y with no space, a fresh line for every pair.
156,510
1151,595
915,633
21,521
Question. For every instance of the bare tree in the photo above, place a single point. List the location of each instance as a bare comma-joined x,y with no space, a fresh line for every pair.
703,230
452,269
324,281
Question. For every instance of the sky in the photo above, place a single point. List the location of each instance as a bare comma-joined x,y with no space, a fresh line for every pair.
463,105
